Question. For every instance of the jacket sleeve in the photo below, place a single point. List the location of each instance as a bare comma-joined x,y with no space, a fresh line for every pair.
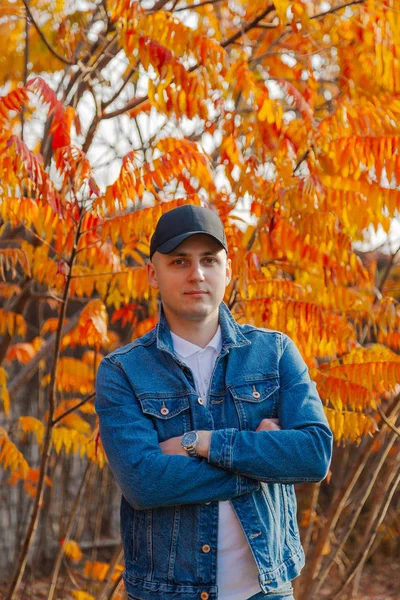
300,451
147,477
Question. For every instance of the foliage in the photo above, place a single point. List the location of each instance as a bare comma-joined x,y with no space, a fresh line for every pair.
265,112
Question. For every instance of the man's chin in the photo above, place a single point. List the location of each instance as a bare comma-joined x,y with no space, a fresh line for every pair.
198,313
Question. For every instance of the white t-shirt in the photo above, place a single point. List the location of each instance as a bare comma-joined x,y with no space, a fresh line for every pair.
237,574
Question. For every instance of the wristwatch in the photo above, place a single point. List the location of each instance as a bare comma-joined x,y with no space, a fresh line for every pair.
189,442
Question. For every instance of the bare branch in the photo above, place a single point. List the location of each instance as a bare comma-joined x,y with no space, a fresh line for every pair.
336,9
73,408
43,37
120,89
159,5
194,6
387,421
388,269
247,28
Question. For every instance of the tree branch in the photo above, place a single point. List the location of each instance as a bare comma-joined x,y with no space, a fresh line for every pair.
247,28
137,101
159,5
47,442
388,269
194,6
318,582
336,8
387,421
43,37
73,408
372,533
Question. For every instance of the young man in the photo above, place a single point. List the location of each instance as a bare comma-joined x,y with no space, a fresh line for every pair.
206,425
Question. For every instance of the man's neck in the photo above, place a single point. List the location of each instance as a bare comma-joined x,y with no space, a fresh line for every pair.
199,333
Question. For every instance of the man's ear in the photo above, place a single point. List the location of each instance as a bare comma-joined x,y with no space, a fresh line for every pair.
228,271
151,276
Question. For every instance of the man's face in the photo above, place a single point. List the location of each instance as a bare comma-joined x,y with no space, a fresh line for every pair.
192,278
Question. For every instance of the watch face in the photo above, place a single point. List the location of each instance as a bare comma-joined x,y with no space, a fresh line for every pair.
189,438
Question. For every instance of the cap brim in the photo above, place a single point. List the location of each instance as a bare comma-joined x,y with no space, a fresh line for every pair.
173,243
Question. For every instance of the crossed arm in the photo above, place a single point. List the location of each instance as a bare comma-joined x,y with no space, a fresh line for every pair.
173,446
295,449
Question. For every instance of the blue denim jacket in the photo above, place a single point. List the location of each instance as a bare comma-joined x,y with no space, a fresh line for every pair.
169,506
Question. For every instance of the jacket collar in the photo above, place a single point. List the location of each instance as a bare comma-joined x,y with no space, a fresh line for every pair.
231,335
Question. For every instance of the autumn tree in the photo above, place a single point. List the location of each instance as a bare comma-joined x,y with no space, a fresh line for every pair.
283,117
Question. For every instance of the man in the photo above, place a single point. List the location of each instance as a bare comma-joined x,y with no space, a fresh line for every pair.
206,425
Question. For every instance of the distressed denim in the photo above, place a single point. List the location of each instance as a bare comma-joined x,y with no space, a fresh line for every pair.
169,505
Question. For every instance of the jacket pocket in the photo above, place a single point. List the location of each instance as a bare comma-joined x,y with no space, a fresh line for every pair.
170,415
256,400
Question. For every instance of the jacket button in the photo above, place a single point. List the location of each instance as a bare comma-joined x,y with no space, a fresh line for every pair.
164,410
206,548
200,400
204,596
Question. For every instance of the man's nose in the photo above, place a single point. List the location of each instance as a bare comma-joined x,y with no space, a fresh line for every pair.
196,272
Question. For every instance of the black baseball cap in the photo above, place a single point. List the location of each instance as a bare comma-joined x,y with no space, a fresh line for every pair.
176,225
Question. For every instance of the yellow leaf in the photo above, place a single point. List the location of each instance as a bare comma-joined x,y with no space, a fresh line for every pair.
96,570
30,424
265,110
326,549
79,595
73,550
11,457
76,422
4,395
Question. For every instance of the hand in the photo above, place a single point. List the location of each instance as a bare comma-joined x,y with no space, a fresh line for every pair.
269,425
173,445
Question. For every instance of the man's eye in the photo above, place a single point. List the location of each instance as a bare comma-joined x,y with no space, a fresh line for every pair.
178,261
210,260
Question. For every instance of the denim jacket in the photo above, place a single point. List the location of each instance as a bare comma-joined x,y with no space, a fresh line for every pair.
169,505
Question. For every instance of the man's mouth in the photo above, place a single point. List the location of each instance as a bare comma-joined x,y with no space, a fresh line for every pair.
196,293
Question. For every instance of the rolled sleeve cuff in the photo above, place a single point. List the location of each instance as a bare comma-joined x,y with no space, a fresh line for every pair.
221,455
221,448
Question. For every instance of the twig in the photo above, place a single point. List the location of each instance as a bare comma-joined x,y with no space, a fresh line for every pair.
363,554
43,37
71,519
388,269
116,587
388,423
99,518
336,8
108,583
120,89
313,512
194,6
313,564
301,160
25,79
159,5
247,28
73,408
350,526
